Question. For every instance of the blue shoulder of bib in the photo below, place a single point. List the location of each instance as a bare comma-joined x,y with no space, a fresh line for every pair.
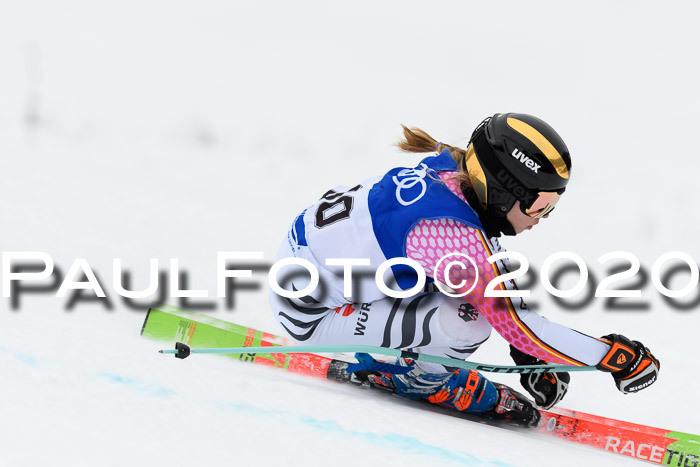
403,197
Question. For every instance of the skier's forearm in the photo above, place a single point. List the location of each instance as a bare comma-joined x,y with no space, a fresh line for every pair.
431,240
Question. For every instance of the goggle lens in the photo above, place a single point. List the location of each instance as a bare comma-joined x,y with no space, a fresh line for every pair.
543,205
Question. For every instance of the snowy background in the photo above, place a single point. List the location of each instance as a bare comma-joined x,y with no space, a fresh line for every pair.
176,129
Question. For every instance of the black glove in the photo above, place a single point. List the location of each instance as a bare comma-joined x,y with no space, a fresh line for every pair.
632,366
546,388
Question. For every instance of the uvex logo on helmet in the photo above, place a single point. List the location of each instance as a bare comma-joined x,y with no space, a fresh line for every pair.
529,163
515,187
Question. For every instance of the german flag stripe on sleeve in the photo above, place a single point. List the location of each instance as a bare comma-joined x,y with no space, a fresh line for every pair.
515,318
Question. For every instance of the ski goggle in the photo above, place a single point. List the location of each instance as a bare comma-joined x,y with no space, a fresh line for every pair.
543,205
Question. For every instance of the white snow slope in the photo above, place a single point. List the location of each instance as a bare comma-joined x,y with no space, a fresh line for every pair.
175,129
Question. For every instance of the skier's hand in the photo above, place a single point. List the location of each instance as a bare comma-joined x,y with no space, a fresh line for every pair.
632,365
546,388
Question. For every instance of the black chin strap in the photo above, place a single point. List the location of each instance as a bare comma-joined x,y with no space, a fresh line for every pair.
493,220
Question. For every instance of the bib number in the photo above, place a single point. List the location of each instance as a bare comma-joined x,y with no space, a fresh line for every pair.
335,207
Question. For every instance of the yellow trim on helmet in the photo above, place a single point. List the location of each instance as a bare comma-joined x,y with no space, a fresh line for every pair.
476,175
542,143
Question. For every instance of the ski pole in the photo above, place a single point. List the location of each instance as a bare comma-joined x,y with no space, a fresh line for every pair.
183,351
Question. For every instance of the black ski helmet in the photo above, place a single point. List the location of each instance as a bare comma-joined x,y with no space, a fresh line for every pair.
515,157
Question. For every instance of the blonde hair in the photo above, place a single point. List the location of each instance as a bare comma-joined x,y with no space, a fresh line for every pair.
417,140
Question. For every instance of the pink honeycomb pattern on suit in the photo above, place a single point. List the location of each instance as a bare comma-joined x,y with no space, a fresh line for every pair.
430,240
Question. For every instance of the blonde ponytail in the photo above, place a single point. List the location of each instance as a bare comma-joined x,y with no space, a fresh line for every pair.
417,140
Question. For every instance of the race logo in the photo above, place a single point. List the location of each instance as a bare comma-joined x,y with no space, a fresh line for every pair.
405,180
467,312
635,447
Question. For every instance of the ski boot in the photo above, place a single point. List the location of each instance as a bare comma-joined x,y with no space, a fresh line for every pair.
368,372
462,390
513,407
467,391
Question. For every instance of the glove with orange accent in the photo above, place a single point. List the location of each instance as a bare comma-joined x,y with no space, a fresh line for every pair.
632,366
546,388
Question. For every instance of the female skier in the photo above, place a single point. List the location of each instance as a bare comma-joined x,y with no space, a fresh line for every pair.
510,177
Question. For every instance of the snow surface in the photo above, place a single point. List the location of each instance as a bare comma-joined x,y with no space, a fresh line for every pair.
177,129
